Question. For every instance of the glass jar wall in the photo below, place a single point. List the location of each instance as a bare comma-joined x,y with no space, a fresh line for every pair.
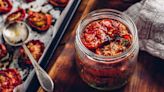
106,72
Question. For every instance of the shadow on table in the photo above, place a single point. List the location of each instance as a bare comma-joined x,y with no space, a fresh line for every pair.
153,66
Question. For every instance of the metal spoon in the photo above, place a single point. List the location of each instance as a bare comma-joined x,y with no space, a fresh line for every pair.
16,34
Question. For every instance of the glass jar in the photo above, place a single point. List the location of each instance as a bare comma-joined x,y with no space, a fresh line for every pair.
106,72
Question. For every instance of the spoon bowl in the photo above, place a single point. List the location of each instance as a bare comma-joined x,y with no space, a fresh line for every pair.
16,33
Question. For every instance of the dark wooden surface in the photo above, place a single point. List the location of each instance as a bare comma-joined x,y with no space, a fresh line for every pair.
148,75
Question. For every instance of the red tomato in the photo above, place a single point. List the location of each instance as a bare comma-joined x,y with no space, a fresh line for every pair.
5,6
39,21
94,36
18,15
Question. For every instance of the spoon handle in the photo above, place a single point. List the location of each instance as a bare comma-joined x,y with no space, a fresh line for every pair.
44,79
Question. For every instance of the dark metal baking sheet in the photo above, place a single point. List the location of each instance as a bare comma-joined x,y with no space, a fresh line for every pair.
34,84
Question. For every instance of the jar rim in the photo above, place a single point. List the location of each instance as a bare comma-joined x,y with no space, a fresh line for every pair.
101,57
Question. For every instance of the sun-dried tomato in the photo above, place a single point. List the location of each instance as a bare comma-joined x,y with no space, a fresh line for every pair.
39,21
18,15
94,36
5,6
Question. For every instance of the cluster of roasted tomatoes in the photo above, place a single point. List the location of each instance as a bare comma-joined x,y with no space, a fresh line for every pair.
36,48
10,78
37,20
106,37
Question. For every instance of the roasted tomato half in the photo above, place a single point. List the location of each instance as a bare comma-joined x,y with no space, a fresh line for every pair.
18,15
36,48
61,3
9,79
94,35
5,6
3,51
39,21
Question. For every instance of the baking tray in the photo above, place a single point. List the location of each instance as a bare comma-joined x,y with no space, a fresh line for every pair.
50,38
33,83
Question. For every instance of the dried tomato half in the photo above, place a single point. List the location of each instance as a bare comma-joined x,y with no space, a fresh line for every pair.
36,48
9,79
18,15
39,21
3,51
61,3
5,6
94,35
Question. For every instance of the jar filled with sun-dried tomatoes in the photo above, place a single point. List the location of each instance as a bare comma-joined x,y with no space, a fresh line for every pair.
106,49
